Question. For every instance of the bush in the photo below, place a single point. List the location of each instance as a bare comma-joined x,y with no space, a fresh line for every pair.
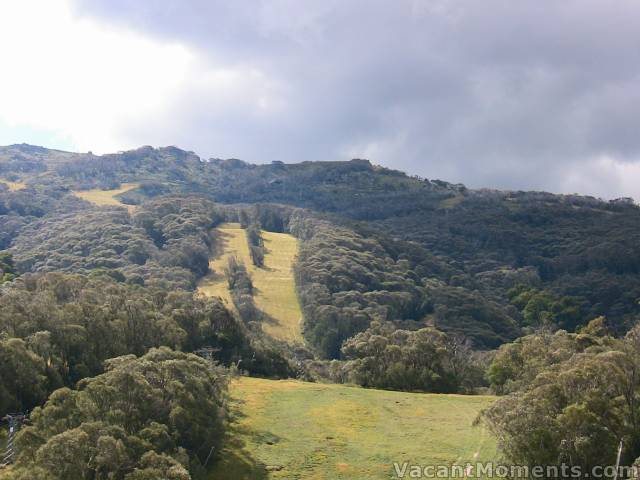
162,412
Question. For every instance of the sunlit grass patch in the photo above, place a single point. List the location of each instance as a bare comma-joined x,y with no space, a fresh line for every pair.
107,197
14,186
275,293
230,242
290,429
451,202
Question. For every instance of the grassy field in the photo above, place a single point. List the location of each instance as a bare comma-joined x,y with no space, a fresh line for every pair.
274,283
107,197
230,242
295,430
451,202
276,295
13,186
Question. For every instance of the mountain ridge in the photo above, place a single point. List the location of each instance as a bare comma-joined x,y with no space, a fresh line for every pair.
232,163
463,249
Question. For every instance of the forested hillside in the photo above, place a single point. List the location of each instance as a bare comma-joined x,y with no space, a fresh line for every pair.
575,248
404,283
455,255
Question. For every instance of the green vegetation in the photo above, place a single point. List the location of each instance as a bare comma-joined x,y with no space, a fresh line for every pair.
165,243
347,279
155,413
229,242
107,197
256,244
541,307
343,272
157,416
7,268
274,293
452,202
66,326
242,290
424,360
473,246
573,398
294,429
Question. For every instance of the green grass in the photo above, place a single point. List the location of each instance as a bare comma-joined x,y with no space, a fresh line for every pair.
451,202
275,293
289,429
230,242
107,197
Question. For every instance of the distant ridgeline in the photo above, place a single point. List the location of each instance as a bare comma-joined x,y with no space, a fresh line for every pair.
375,244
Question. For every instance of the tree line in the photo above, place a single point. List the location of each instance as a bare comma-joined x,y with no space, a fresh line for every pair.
569,398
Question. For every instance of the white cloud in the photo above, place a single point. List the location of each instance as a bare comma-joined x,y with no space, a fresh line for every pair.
602,176
89,84
525,98
78,79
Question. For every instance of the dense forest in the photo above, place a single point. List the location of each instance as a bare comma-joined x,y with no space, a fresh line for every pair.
572,397
405,283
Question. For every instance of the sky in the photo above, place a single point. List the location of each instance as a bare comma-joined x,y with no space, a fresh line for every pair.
527,94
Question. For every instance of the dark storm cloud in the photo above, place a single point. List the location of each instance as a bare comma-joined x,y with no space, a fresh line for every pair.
501,93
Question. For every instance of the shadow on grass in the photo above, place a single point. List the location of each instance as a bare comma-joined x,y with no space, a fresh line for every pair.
268,319
235,461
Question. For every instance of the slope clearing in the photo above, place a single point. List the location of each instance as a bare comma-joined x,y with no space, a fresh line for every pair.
230,242
275,293
291,429
13,186
451,202
107,197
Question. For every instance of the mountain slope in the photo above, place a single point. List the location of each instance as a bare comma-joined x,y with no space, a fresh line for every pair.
288,429
275,293
464,250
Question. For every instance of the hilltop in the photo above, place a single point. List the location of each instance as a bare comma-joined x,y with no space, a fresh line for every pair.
578,256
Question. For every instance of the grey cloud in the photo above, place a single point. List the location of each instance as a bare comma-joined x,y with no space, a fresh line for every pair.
495,93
